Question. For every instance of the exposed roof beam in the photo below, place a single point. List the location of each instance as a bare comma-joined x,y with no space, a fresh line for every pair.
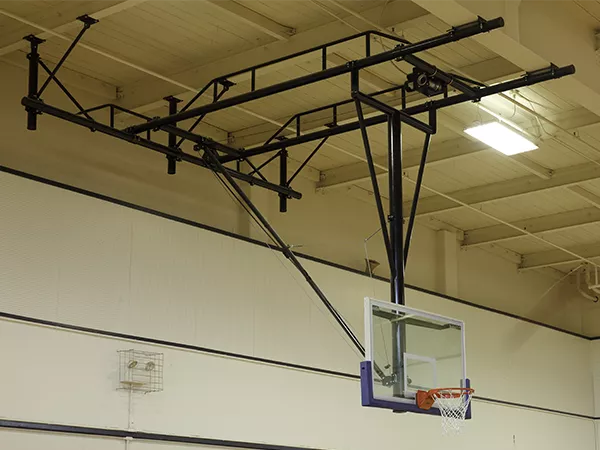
553,222
254,19
70,78
558,257
147,91
54,18
449,150
586,195
564,177
359,172
367,77
535,34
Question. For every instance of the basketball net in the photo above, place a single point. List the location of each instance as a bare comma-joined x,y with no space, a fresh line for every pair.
453,405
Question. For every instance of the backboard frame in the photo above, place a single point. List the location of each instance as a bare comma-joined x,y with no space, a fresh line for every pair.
407,403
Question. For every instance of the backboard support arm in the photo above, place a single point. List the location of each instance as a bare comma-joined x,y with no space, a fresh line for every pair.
426,81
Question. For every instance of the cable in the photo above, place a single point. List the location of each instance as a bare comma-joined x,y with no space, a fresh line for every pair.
570,272
365,242
335,16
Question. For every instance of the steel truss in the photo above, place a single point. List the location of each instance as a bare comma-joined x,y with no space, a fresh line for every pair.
426,81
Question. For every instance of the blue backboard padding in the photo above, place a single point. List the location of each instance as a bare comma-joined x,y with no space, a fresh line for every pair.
368,397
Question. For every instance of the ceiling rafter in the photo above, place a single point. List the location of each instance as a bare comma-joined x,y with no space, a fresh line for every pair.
358,172
565,177
543,224
70,25
444,152
562,31
71,78
254,19
552,258
145,93
586,195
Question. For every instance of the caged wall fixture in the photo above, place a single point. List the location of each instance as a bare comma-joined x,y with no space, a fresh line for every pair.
140,371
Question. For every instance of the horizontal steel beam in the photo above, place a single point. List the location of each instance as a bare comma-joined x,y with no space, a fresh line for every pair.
455,34
36,105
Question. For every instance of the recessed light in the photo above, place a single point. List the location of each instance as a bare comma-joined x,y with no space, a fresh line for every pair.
501,138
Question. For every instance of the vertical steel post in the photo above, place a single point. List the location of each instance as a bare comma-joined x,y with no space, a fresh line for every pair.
396,240
32,90
171,160
283,156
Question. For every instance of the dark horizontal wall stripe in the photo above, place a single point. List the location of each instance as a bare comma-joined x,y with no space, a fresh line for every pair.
253,359
140,435
176,345
263,244
533,408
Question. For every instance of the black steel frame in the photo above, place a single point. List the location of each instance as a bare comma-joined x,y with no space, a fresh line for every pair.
427,81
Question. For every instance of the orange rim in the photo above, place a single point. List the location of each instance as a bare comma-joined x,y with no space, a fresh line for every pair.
449,392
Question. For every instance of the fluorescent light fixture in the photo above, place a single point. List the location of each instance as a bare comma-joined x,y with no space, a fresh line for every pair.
501,138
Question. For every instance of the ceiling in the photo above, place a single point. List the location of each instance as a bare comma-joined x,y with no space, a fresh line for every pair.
142,51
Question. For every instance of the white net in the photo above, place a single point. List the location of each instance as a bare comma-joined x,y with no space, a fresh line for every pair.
453,405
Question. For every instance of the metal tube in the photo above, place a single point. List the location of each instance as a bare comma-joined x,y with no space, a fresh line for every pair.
32,84
105,129
200,140
287,252
200,118
313,153
63,88
389,110
376,194
283,155
396,238
171,160
63,58
280,129
399,52
263,164
396,214
413,208
198,95
527,80
295,55
255,170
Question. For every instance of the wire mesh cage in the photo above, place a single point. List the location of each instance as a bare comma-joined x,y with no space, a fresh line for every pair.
140,371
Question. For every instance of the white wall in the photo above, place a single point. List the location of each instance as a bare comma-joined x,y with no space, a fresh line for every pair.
72,259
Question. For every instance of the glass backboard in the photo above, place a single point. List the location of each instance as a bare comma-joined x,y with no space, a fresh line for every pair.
408,350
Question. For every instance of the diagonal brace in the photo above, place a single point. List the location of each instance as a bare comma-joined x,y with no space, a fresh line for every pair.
87,23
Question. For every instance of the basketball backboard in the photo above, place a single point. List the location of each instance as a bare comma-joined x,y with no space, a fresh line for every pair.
408,350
